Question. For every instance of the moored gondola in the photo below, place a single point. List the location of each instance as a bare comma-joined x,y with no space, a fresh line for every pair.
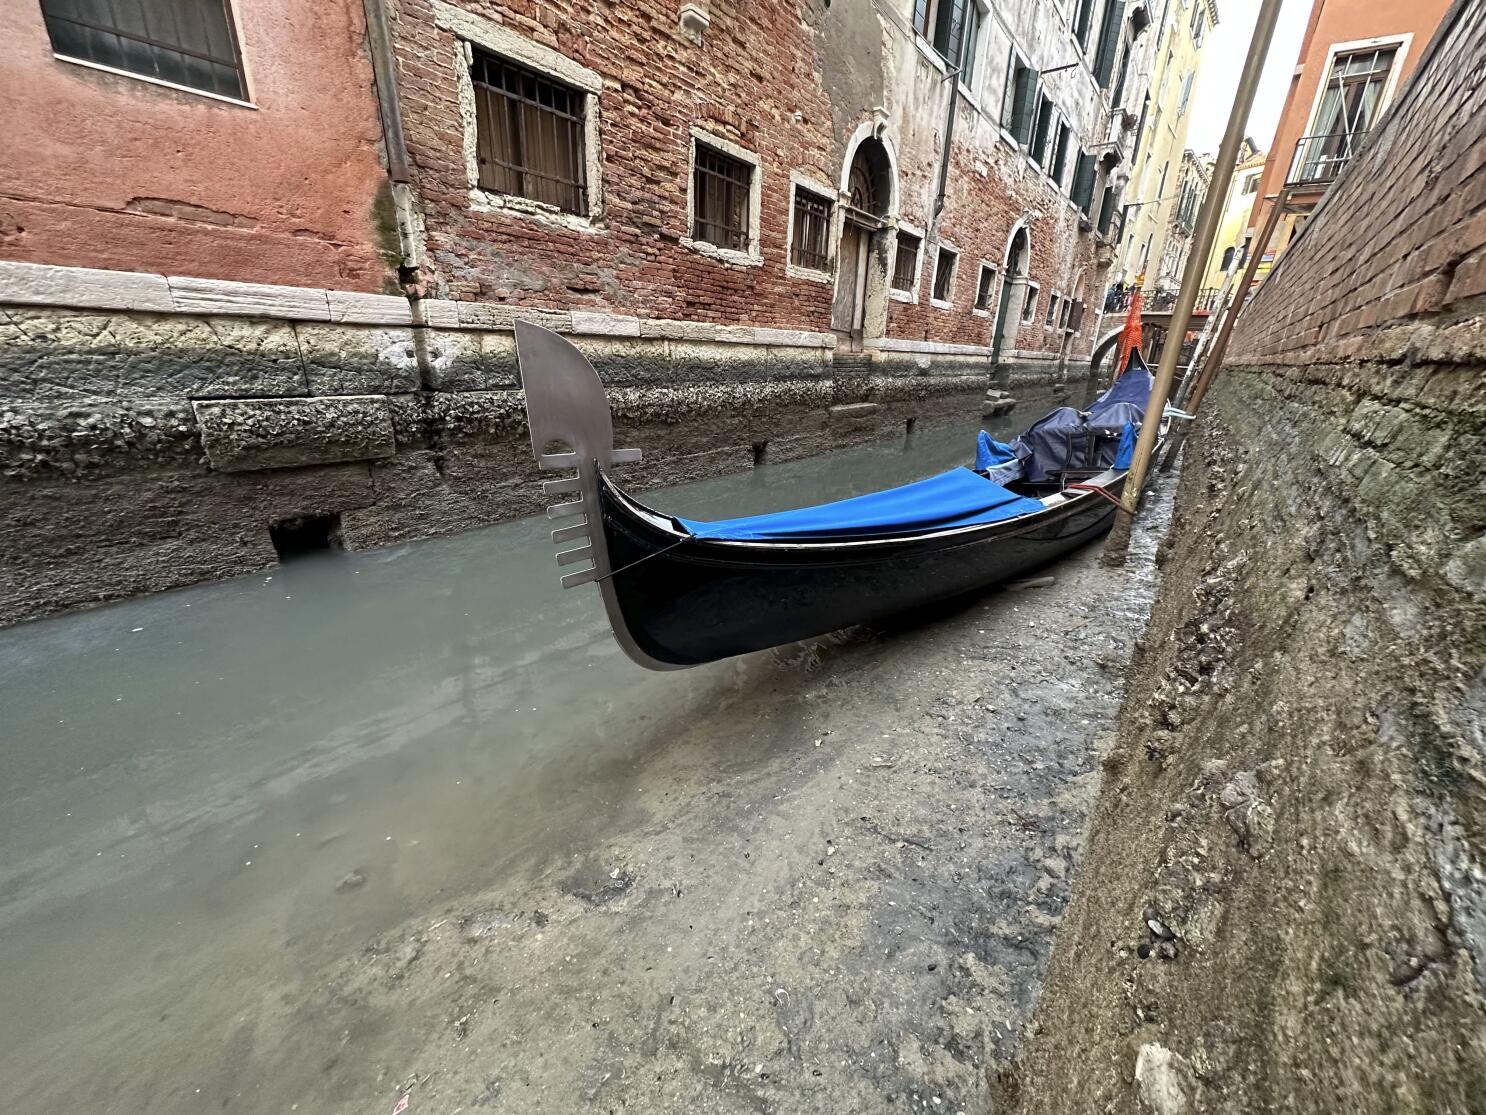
680,593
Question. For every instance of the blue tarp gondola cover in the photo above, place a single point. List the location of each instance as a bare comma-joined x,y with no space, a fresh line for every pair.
952,499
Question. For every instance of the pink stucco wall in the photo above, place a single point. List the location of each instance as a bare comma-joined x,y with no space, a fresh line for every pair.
101,170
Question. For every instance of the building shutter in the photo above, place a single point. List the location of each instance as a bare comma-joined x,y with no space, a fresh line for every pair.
1083,182
1109,41
1025,104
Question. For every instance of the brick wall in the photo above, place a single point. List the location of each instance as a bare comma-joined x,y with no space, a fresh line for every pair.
760,80
1283,906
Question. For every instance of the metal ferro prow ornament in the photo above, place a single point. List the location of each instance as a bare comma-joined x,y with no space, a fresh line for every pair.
566,403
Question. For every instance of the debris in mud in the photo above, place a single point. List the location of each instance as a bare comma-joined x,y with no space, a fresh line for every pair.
353,880
1031,582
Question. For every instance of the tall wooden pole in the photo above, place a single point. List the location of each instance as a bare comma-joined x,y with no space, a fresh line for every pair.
1118,542
1220,344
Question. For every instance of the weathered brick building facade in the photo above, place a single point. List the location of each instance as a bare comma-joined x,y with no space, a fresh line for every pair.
752,218
803,96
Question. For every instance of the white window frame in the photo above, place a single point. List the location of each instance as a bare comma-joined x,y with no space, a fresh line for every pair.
799,180
991,301
472,31
247,100
954,275
1390,87
910,296
1029,303
753,257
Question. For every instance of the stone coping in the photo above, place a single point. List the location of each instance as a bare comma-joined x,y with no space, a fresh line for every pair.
40,284
86,288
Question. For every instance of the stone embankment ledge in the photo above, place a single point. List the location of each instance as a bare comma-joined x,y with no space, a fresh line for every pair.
153,428
1283,904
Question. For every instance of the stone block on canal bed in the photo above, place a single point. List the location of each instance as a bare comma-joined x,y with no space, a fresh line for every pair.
241,435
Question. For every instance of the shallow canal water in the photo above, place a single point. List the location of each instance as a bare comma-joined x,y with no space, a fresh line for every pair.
192,784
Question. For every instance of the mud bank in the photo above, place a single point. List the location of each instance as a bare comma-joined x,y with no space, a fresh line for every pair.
1281,909
832,887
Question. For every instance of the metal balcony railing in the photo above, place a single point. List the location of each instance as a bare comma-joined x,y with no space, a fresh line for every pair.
1319,159
1160,300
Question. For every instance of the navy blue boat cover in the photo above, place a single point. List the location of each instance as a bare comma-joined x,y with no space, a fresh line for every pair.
952,499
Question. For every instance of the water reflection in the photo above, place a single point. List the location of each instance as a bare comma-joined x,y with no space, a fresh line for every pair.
207,794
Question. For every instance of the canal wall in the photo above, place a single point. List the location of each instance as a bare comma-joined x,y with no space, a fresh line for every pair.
158,431
1283,904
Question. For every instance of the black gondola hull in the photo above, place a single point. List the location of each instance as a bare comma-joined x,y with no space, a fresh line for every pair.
689,601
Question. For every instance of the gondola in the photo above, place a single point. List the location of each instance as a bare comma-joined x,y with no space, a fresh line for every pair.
679,593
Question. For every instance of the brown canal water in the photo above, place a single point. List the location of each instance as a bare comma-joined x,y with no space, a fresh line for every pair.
208,795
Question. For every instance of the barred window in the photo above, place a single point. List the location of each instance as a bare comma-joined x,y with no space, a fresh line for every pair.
184,42
721,187
905,266
983,287
812,229
944,275
1029,304
529,134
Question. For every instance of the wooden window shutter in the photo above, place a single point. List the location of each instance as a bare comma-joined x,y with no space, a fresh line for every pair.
1109,42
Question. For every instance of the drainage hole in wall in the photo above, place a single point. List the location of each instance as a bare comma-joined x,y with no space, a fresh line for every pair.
760,451
305,534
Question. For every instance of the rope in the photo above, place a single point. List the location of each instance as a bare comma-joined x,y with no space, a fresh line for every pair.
1101,491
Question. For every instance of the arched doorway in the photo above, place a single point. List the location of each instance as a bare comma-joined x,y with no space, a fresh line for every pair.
1013,293
861,258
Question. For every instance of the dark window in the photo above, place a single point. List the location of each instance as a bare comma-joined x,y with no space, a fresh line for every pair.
1076,318
1029,304
1083,17
1020,102
812,230
1109,42
530,134
905,266
944,274
951,25
1063,314
1107,204
1060,153
186,42
1052,313
721,186
983,288
1227,259
1038,148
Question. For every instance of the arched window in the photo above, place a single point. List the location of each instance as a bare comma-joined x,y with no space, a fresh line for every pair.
1227,258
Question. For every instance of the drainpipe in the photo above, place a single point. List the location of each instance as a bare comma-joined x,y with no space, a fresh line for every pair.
399,167
953,77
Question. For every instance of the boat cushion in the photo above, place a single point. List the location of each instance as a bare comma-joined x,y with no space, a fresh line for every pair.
951,499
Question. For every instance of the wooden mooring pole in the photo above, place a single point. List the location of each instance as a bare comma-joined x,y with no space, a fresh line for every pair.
1118,542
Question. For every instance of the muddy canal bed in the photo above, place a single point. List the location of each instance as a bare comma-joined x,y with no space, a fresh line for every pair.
406,823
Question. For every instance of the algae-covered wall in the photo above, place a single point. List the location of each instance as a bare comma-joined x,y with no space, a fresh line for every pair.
1283,905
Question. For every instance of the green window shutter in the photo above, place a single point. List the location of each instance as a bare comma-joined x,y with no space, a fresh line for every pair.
1008,99
1025,105
1106,210
1083,182
1109,41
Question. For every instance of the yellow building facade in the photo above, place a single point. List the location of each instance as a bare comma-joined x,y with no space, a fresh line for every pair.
1174,53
